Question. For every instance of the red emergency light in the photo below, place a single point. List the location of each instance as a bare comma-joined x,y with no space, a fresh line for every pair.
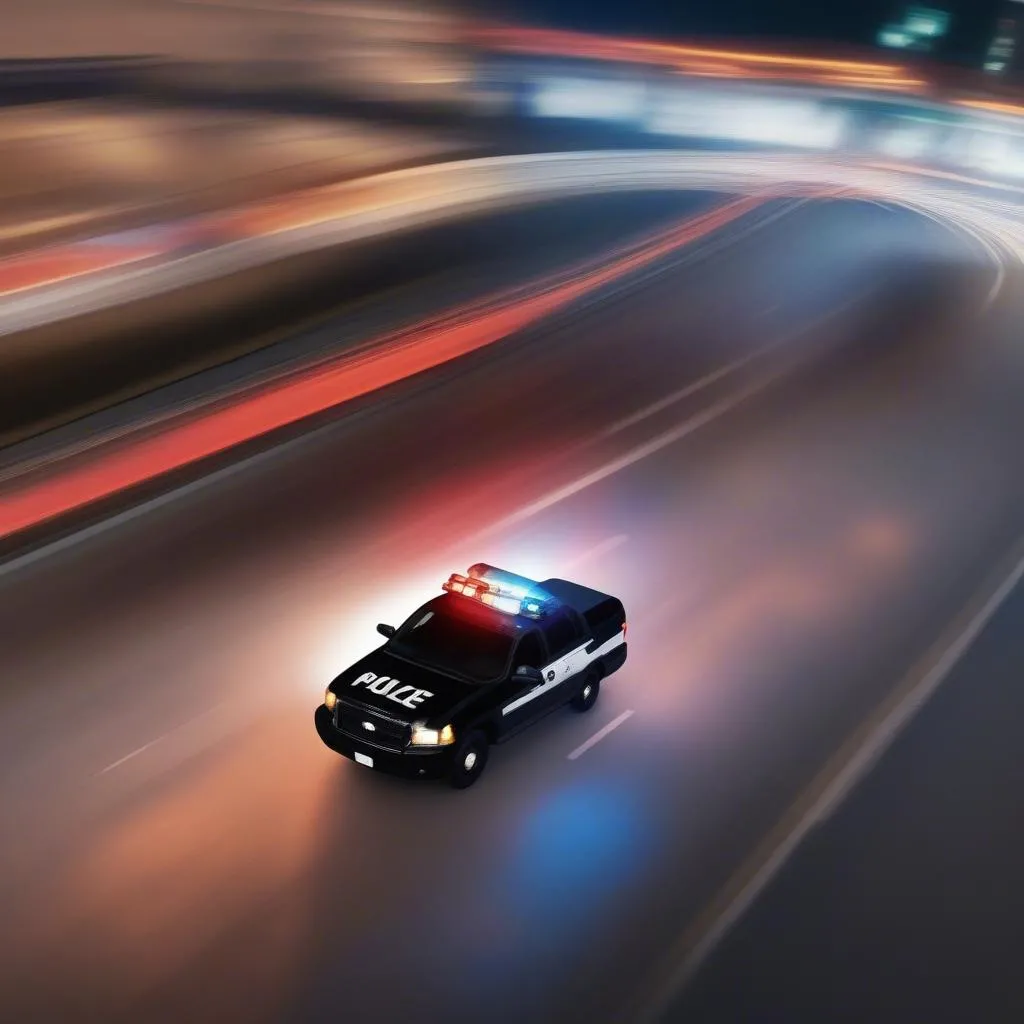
512,598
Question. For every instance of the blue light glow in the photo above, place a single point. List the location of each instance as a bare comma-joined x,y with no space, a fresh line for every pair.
520,586
571,868
580,843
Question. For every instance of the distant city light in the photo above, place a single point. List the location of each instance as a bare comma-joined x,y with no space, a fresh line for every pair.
927,23
895,38
918,29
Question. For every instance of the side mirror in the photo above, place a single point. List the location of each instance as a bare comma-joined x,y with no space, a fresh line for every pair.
385,630
528,674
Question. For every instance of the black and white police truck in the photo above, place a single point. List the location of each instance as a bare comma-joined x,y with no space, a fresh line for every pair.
474,666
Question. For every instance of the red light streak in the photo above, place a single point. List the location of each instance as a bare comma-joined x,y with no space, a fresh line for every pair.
61,263
421,348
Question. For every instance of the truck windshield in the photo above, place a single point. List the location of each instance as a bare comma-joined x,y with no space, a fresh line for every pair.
454,645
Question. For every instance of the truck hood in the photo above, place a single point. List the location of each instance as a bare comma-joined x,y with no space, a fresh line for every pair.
401,689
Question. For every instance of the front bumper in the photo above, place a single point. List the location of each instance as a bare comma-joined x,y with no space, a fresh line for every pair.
428,763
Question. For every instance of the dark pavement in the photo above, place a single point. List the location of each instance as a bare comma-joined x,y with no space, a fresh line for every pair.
793,450
906,904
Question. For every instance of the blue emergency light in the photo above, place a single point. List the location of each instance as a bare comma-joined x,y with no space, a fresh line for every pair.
501,590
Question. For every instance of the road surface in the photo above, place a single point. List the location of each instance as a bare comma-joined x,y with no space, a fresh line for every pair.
904,905
788,535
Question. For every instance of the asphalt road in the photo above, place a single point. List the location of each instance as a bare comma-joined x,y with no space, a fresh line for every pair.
788,539
905,904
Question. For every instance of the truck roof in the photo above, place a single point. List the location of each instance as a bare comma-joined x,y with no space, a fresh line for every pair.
581,599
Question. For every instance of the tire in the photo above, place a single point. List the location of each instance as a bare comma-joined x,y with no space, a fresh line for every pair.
469,760
587,696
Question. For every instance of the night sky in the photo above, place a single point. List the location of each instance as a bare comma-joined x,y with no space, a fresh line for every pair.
848,21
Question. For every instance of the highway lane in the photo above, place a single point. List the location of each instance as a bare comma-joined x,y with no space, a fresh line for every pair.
185,849
904,904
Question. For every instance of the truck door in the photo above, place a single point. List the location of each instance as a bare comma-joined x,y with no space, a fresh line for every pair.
521,704
566,650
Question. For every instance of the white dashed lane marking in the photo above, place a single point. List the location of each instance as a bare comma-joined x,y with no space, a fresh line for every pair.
600,735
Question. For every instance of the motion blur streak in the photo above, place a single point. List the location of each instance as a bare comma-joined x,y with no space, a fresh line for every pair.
579,44
993,105
63,263
372,207
413,352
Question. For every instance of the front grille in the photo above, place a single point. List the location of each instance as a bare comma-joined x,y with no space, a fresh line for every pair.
387,732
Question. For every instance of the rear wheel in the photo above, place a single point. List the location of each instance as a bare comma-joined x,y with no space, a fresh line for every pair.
469,760
587,696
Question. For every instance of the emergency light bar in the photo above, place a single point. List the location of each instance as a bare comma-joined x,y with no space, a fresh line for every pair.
503,591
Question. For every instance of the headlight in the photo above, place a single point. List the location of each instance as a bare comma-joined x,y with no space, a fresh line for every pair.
424,737
330,699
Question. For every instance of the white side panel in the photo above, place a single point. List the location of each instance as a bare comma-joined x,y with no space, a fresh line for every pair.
563,668
551,679
606,648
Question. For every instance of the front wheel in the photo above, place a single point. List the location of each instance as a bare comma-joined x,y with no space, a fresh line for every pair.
469,760
587,696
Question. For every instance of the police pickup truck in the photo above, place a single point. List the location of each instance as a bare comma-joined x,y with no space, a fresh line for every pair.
491,655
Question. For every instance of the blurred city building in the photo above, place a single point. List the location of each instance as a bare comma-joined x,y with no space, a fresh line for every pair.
113,112
406,49
1003,55
392,48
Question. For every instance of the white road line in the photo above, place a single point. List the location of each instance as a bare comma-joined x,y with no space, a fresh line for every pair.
600,735
127,757
838,790
993,292
663,440
609,544
729,368
631,457
685,392
964,229
103,526
152,743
